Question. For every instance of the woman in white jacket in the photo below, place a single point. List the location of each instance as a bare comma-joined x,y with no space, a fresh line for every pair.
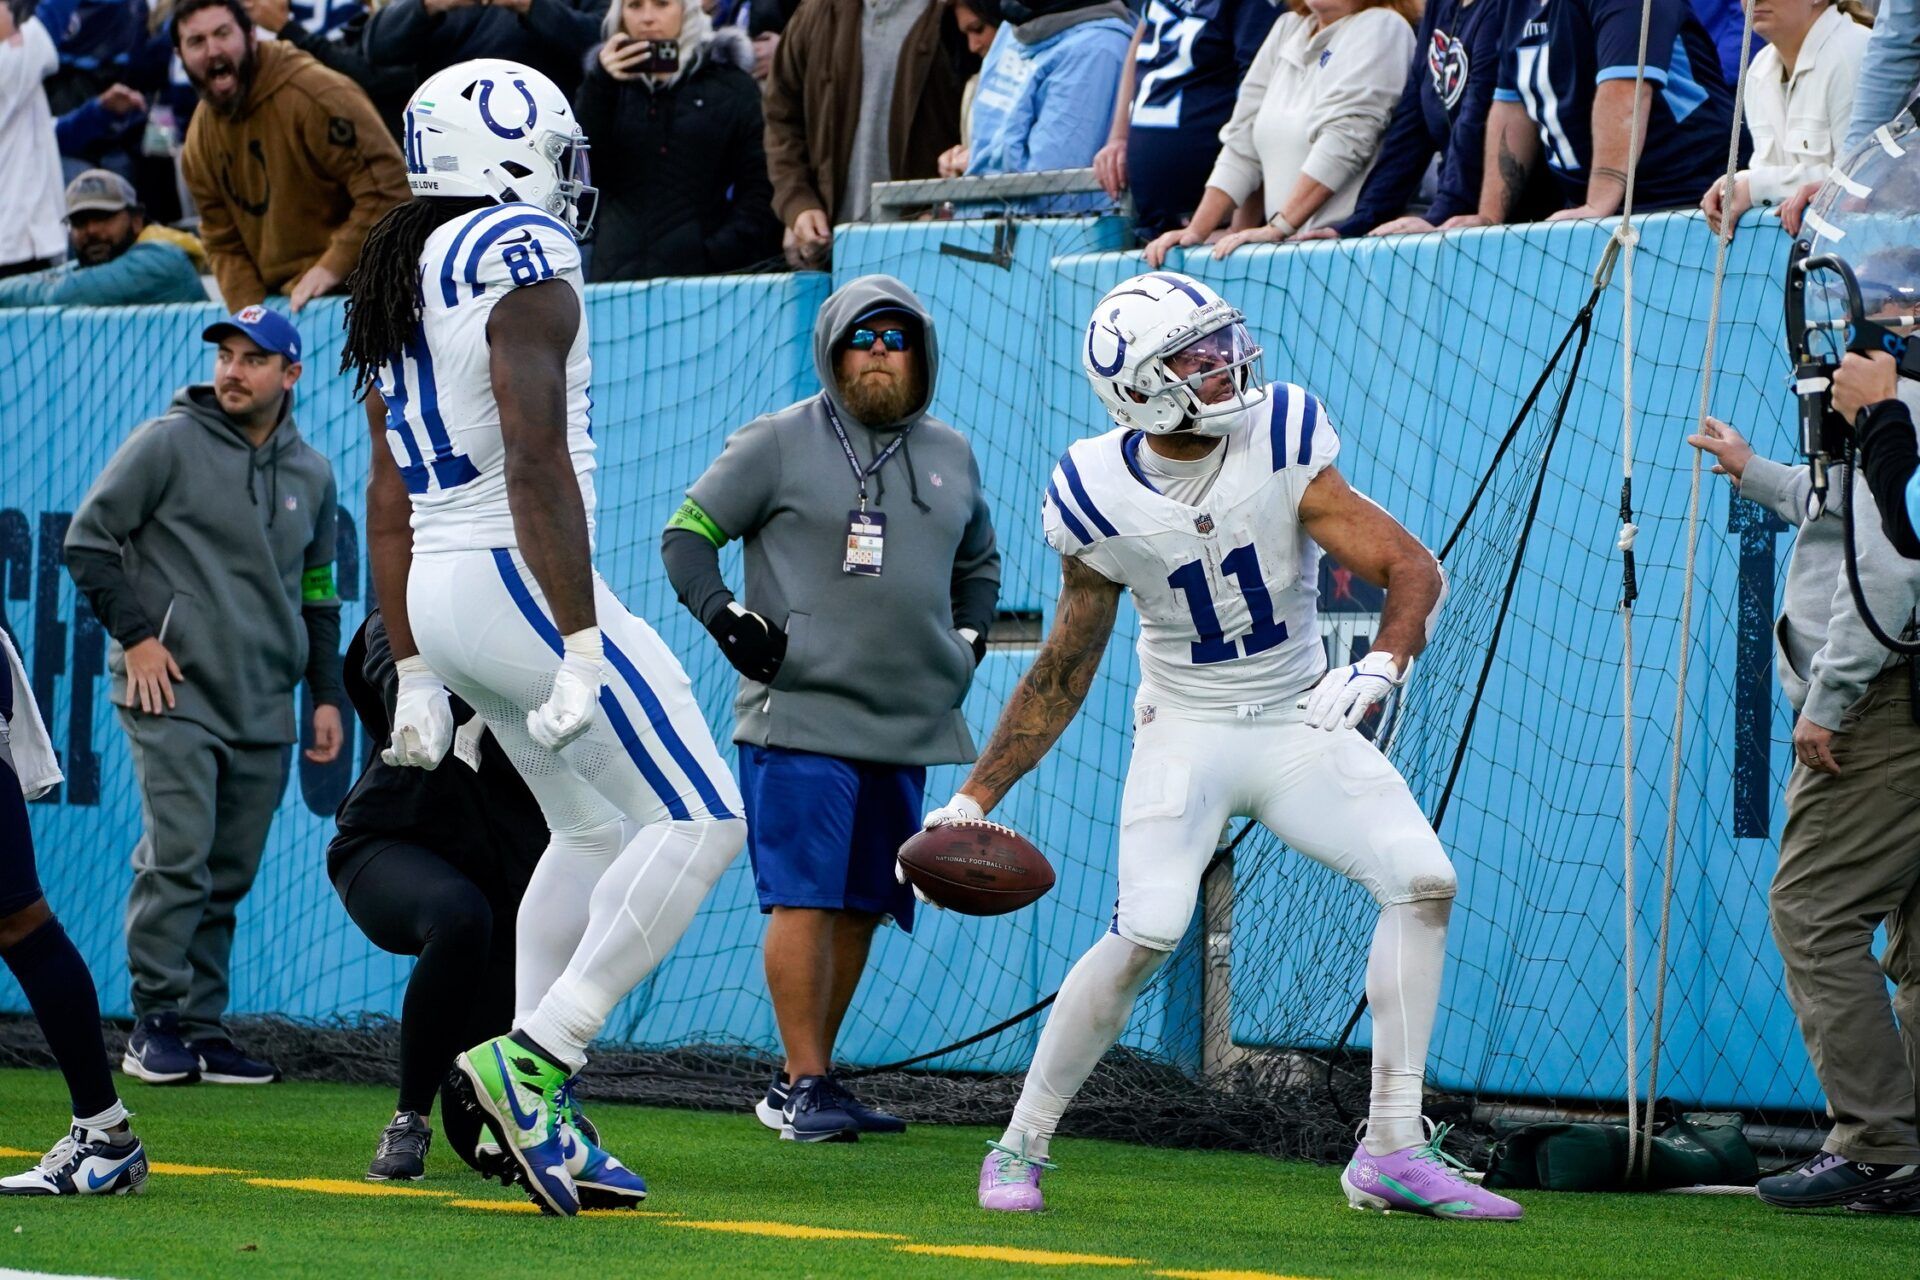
1306,126
1799,99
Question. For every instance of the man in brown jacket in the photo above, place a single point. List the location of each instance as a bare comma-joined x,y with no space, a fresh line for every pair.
862,91
288,161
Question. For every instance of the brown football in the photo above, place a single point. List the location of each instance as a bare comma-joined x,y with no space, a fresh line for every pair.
977,868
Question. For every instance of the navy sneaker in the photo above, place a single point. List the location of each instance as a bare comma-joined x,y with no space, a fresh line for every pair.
402,1153
772,1108
87,1162
815,1113
1827,1179
221,1062
157,1054
870,1119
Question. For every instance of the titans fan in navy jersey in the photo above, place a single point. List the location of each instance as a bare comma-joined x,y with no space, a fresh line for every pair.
1186,72
1443,110
1569,48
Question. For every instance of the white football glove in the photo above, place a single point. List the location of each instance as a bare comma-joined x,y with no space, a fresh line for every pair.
422,717
569,710
1344,694
962,808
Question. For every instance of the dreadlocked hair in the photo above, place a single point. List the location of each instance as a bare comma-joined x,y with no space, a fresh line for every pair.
383,293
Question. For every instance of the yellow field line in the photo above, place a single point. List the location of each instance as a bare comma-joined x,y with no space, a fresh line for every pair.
1033,1257
157,1166
342,1187
784,1230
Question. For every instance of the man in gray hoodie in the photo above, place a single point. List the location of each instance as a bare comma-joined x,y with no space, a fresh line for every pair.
218,608
1850,852
863,622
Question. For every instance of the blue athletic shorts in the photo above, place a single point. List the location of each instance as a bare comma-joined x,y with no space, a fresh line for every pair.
822,831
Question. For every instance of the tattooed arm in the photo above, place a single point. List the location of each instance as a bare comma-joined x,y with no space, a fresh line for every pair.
1513,148
1050,694
1615,151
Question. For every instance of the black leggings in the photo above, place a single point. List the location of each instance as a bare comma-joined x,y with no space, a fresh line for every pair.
410,901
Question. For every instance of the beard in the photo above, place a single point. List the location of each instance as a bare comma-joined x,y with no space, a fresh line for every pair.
880,399
242,72
95,253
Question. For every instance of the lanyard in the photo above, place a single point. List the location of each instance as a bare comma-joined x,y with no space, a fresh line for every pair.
853,459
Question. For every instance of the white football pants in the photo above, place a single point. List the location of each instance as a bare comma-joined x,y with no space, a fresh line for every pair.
644,816
1331,796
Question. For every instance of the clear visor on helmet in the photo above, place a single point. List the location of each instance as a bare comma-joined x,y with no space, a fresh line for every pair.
1217,372
569,157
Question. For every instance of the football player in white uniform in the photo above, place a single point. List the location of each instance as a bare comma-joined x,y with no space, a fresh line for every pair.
466,313
1210,503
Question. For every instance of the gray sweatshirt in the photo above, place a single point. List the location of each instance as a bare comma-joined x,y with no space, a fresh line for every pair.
1823,652
230,549
875,666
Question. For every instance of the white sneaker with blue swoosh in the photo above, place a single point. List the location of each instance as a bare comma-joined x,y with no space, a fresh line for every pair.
87,1162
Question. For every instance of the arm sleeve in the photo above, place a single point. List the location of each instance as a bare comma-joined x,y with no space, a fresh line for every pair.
1252,20
1891,465
1307,434
233,266
789,163
564,26
1354,105
1778,486
1236,170
320,604
346,140
1616,38
397,33
737,490
87,126
1851,657
120,502
1889,71
37,289
24,64
693,567
976,566
748,233
1404,153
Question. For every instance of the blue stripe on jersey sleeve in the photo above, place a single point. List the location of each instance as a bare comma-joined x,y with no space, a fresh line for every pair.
1309,418
616,714
532,218
1100,522
1281,396
1654,75
449,293
413,473
1067,517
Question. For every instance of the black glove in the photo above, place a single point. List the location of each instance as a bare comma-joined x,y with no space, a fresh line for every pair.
753,645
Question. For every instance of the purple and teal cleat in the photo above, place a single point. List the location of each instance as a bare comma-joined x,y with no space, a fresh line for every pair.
1010,1180
1419,1179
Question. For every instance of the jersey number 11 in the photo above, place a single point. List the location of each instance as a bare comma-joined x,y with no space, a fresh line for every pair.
1242,565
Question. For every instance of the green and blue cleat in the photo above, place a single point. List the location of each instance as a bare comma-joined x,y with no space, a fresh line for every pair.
600,1180
523,1097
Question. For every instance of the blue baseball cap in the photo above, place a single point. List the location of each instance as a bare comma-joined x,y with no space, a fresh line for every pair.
270,330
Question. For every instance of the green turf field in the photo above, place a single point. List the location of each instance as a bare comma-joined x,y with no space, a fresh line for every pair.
730,1200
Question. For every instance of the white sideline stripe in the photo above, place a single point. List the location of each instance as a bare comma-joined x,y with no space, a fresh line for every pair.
7,1273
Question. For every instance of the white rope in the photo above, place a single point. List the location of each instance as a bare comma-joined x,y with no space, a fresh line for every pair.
1626,237
1725,240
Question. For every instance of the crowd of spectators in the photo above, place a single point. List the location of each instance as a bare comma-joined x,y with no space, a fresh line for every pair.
729,134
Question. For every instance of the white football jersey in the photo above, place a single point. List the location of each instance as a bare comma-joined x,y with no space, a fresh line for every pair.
443,423
1227,591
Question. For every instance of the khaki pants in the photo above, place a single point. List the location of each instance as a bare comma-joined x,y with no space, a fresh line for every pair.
1849,860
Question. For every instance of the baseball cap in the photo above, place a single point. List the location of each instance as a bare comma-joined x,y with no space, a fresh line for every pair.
272,331
100,191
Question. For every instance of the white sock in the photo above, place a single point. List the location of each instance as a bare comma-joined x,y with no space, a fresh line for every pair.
1091,1012
638,910
554,909
1403,992
112,1117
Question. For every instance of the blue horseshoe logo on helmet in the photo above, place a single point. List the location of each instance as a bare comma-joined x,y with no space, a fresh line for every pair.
486,116
1120,351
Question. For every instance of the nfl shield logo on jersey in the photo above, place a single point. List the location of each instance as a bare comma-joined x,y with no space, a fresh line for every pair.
1203,524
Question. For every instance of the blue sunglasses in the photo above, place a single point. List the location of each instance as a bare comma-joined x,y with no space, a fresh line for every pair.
892,339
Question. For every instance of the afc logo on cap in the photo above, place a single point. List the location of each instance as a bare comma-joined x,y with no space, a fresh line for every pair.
250,315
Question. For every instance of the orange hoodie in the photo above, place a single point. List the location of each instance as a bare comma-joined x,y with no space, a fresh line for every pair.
298,176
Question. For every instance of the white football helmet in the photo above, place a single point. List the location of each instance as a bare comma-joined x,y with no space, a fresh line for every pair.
1143,323
501,131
